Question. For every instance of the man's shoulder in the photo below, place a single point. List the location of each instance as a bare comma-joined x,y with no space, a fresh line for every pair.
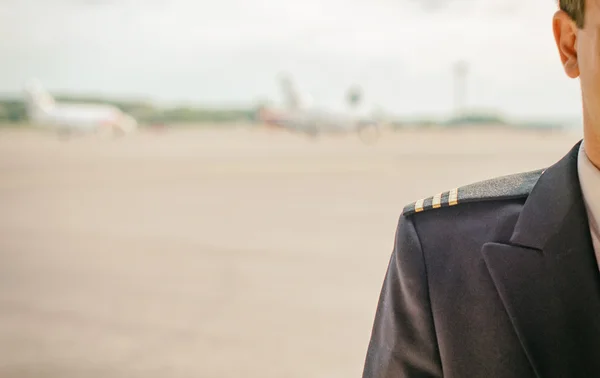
497,189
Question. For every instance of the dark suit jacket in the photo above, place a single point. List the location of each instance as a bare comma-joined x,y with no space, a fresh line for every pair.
495,286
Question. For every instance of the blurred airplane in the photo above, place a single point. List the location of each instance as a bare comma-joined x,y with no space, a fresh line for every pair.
75,118
299,115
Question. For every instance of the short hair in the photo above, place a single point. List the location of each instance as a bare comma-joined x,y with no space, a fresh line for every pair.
575,9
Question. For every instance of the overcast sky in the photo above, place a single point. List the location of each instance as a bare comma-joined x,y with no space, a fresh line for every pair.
230,51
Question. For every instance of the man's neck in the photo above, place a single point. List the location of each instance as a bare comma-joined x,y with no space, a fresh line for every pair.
592,145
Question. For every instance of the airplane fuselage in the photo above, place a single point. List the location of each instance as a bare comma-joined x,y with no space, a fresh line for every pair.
79,116
315,121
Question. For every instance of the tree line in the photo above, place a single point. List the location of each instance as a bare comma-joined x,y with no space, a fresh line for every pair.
15,111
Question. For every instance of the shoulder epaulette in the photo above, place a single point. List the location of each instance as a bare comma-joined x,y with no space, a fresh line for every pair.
505,187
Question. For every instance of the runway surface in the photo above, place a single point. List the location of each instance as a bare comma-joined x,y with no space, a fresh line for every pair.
215,253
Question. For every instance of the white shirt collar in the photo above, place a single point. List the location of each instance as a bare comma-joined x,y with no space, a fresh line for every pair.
589,178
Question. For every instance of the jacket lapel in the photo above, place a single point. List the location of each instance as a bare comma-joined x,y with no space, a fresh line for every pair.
547,277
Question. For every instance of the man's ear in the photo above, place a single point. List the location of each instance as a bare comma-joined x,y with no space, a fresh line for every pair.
565,35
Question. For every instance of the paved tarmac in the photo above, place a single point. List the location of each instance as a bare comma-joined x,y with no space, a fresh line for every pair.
207,253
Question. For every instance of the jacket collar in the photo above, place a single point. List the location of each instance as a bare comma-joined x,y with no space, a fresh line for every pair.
547,277
556,193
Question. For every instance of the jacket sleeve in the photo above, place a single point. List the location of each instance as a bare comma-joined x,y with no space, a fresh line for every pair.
403,341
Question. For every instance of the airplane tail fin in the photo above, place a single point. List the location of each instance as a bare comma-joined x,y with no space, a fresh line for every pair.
291,96
38,100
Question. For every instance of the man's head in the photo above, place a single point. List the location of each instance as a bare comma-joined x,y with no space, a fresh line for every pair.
577,33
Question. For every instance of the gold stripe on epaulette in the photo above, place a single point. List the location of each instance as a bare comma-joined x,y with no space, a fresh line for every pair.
453,197
419,206
437,201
